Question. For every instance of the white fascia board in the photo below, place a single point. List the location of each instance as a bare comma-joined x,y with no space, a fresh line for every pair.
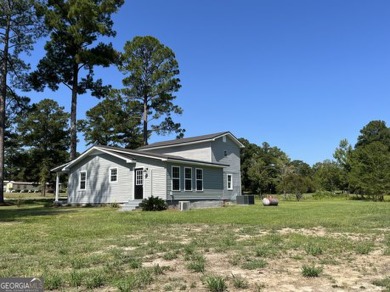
86,153
141,155
235,140
89,152
115,155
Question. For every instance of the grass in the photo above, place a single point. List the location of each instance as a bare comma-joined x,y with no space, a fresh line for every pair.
311,271
215,283
100,248
385,283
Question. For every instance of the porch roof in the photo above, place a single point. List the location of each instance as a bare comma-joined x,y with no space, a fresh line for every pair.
130,156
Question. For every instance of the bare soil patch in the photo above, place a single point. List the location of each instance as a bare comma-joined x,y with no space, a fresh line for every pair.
347,271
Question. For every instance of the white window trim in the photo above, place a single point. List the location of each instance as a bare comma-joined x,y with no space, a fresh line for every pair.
231,182
85,181
187,179
196,179
140,178
172,178
110,175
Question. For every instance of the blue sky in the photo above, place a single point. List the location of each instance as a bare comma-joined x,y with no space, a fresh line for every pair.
298,74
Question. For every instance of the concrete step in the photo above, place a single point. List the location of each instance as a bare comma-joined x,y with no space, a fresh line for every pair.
130,205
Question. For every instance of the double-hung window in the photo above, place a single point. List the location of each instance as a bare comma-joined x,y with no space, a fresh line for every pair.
199,179
83,180
113,174
175,178
230,182
188,179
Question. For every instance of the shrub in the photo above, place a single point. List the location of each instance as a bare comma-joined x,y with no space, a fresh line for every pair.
153,204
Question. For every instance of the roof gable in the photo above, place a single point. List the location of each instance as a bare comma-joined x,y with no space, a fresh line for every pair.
191,140
130,156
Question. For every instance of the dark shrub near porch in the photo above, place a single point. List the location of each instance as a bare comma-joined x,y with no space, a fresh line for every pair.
153,204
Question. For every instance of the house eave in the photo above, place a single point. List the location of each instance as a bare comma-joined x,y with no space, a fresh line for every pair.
178,144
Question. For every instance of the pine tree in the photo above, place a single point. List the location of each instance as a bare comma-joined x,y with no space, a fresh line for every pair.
75,27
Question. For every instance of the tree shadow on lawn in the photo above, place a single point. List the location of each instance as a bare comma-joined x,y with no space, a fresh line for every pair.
16,210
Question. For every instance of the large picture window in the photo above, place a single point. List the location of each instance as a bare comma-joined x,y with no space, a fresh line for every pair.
113,174
199,179
175,178
83,180
229,181
188,179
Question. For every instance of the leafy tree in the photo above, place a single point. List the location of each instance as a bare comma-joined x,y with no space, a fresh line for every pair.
328,176
17,108
369,163
302,168
342,155
45,134
151,70
75,27
370,170
258,173
114,122
20,26
261,167
296,184
286,170
372,132
251,150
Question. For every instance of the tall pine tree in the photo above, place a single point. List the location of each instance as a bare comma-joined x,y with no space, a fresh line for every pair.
151,81
20,26
73,46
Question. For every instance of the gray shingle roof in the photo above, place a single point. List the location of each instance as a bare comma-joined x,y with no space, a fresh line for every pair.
190,140
131,154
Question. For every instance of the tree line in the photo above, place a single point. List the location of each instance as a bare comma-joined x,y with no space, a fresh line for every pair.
74,29
362,169
35,137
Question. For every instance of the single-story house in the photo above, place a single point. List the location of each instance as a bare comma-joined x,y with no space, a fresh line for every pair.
20,186
199,168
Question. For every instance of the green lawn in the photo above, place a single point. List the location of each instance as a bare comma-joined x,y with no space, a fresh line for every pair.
101,248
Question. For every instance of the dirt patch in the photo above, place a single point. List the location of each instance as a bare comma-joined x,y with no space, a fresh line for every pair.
345,272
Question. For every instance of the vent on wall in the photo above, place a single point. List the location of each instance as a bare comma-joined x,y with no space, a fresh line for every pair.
184,205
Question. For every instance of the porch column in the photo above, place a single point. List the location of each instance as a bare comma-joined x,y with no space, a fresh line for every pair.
57,186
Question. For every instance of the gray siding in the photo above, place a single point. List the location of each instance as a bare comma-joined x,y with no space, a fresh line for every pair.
154,177
100,190
98,187
156,183
212,184
199,151
232,158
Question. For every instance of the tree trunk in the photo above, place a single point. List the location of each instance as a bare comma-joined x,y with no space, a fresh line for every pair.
73,114
145,118
3,95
